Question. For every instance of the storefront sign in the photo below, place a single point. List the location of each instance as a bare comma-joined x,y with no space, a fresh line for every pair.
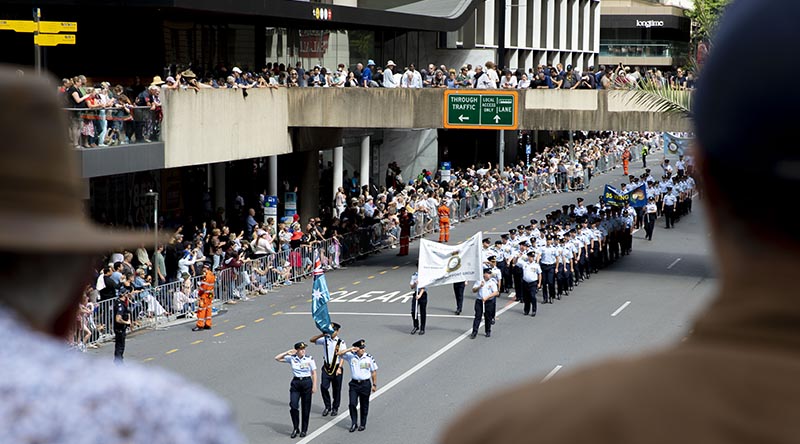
649,23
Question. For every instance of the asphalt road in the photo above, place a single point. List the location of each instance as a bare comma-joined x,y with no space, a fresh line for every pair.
644,301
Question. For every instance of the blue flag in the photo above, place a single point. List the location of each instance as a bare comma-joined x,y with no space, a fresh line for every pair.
319,300
675,146
637,197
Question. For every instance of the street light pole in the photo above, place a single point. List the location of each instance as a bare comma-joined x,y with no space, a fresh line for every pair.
154,195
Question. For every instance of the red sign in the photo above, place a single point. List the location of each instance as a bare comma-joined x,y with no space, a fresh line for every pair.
313,44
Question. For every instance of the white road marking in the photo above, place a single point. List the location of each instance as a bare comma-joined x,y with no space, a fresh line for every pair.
674,263
620,309
399,379
379,314
552,372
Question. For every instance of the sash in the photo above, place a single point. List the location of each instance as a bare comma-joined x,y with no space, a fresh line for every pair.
330,369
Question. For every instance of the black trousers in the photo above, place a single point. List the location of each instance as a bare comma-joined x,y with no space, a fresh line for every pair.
516,276
649,224
119,345
669,215
458,290
529,296
359,393
422,303
335,384
562,279
548,282
300,395
483,310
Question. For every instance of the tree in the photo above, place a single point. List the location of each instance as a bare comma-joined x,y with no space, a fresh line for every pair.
705,17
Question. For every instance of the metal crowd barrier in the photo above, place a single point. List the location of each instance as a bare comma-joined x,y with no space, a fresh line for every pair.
121,125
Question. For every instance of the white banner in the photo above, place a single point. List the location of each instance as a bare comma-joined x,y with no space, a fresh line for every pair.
441,264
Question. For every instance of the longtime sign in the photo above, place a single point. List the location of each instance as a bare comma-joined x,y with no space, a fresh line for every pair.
480,109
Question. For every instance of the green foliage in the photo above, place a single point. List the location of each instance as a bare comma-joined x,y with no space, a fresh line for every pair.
705,16
667,99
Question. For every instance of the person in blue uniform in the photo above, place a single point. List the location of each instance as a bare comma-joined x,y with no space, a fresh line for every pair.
531,281
548,260
303,385
331,369
419,305
486,291
122,321
364,371
458,291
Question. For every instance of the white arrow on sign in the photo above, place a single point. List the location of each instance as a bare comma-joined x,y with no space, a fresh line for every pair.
462,118
496,119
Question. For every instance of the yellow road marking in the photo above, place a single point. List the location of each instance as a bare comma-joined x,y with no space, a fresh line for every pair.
308,300
395,267
277,313
199,341
293,307
356,282
341,288
258,320
240,327
171,351
225,321
382,272
219,334
371,277
148,359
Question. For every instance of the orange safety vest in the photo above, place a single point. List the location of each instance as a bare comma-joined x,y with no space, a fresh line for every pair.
207,288
444,211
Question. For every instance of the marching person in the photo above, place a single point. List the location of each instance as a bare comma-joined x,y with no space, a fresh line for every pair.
564,269
458,291
331,369
303,385
549,260
122,321
650,216
531,281
444,220
419,305
364,371
205,296
486,292
668,207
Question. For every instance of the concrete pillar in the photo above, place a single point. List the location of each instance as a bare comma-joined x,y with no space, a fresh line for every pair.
365,161
338,169
571,148
219,186
308,206
273,176
501,160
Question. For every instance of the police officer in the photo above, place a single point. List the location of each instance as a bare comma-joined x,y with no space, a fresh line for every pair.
304,384
122,320
549,259
531,281
650,216
364,373
516,269
419,305
331,369
668,207
486,292
458,291
580,210
564,270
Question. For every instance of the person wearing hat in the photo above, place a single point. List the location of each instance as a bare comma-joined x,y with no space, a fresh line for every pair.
549,260
364,374
519,255
565,268
406,221
419,305
531,281
668,206
366,75
122,322
45,228
302,387
388,76
205,296
444,221
332,344
486,291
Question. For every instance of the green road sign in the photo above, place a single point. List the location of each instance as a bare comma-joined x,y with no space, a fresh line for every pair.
480,109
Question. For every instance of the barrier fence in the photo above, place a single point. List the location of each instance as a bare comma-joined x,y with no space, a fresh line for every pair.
173,301
120,125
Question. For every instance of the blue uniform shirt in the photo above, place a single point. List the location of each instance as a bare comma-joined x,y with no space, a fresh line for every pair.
360,368
301,367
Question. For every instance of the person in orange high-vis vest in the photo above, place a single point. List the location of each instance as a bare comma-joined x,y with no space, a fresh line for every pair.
206,298
444,221
626,160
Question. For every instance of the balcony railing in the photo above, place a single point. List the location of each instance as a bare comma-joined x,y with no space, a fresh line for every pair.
642,49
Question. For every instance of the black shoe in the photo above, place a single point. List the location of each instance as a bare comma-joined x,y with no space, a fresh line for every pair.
326,411
334,412
362,428
533,314
294,433
206,328
421,332
353,428
197,328
492,321
525,313
302,434
458,312
488,334
414,331
472,336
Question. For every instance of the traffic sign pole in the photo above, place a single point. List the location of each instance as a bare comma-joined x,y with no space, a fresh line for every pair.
37,50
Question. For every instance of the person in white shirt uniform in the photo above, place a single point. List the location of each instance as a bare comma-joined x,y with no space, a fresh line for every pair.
303,386
650,216
331,369
419,305
680,166
668,207
364,371
549,260
531,281
486,291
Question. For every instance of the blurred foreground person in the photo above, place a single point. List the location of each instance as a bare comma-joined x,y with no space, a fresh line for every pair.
735,379
49,394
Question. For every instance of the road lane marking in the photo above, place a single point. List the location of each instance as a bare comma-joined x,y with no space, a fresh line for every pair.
371,277
552,373
171,351
199,341
219,334
226,321
674,263
148,359
293,307
395,267
258,320
240,327
620,309
356,282
341,288
308,300
398,379
277,313
306,313
382,272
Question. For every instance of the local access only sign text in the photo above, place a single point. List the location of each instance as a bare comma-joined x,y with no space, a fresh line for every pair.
480,109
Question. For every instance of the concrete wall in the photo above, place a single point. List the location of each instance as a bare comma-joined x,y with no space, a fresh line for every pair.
211,126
